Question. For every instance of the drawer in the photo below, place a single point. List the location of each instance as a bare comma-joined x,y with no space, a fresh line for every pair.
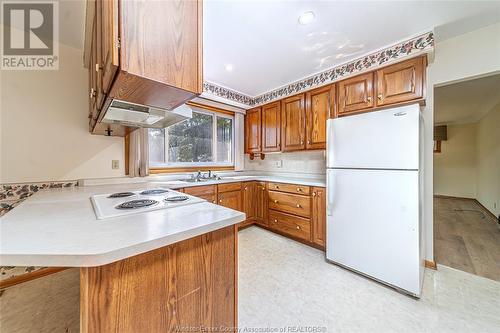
290,188
289,224
199,191
290,203
229,187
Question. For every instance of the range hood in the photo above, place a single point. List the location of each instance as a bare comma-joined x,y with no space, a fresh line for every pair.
136,115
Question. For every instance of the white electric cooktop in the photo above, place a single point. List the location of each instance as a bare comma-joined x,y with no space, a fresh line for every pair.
134,202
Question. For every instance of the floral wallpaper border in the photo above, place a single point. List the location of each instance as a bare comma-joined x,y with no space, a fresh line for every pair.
411,47
12,195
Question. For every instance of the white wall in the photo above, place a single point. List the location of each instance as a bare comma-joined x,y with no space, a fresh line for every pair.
455,166
44,127
312,162
488,161
473,54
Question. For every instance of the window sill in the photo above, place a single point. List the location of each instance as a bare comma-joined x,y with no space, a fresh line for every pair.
190,169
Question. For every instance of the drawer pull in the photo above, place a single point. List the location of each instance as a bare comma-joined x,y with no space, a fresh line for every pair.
276,187
276,201
314,194
299,189
275,221
298,206
220,200
298,227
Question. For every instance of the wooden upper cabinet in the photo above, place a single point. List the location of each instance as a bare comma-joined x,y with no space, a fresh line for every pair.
271,127
108,41
320,104
319,216
355,94
253,131
148,53
400,82
293,123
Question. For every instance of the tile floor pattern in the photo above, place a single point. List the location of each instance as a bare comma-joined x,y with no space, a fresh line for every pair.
284,284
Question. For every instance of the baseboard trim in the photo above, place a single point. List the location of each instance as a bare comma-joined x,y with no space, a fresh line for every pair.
29,276
487,211
451,197
430,264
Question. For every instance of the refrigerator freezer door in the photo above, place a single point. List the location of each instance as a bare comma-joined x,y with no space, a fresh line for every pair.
372,224
386,139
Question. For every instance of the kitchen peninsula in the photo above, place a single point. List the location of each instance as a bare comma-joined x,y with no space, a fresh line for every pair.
155,271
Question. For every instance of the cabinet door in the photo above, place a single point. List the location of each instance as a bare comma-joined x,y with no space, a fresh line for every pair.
293,123
319,106
230,199
261,203
319,216
253,131
271,127
400,82
355,94
107,30
249,202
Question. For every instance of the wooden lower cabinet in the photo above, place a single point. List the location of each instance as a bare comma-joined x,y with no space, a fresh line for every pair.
191,283
231,199
290,203
289,224
289,209
318,216
261,195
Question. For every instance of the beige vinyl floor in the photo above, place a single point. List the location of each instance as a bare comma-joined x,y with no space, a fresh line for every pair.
466,237
285,286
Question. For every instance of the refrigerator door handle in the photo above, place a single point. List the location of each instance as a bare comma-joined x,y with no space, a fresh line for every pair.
329,191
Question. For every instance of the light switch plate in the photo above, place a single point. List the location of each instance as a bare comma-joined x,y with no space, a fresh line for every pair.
115,164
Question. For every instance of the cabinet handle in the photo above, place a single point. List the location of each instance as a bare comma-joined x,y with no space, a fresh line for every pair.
298,206
369,98
275,221
308,142
263,188
245,188
301,142
98,67
314,194
220,200
299,189
92,93
298,227
276,187
275,201
380,97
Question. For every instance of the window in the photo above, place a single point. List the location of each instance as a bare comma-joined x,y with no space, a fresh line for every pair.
204,140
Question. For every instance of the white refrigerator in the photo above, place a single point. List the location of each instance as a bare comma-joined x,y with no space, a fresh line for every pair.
374,196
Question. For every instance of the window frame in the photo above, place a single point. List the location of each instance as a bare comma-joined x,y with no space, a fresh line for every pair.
186,166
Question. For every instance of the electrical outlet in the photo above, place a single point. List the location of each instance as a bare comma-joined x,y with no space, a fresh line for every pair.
278,163
115,164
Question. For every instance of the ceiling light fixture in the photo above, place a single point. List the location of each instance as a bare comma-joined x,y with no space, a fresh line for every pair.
229,67
306,17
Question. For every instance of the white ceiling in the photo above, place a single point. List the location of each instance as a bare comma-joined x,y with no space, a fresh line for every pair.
267,47
466,102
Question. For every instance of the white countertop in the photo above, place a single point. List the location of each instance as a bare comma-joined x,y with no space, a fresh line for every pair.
58,227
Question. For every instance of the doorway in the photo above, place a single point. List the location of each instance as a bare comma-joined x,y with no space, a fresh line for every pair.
467,176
